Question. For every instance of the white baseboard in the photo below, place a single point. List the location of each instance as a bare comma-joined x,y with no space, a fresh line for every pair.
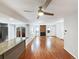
71,53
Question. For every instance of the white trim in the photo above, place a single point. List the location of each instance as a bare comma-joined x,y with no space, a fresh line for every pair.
29,40
71,53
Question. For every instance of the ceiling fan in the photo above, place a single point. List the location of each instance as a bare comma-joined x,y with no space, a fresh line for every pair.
41,9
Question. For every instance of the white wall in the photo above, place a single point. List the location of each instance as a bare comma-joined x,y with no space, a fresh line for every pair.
60,29
31,30
27,30
11,31
52,29
71,36
36,29
56,29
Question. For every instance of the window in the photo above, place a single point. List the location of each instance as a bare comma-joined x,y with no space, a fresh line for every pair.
20,32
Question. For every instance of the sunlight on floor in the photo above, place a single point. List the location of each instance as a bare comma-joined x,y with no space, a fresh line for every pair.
35,44
48,43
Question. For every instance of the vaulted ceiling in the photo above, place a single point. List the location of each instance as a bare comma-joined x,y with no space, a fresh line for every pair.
60,8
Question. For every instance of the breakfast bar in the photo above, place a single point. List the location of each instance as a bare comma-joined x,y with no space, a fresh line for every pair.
12,49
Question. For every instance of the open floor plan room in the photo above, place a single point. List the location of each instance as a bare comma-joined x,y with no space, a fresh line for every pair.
38,29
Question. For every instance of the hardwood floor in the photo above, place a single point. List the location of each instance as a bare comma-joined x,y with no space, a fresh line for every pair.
46,48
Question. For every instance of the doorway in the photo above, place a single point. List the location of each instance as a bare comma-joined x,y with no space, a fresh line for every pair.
42,30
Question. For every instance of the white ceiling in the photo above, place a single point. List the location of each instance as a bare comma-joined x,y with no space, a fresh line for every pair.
60,8
9,20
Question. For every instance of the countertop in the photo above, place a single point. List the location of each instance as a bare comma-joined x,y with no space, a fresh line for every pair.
7,45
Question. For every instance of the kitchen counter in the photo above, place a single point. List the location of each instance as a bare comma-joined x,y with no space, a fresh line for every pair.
12,45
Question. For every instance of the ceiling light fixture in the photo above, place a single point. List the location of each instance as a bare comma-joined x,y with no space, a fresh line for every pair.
40,13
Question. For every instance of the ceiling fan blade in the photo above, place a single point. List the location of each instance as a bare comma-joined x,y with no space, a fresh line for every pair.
46,13
28,11
46,4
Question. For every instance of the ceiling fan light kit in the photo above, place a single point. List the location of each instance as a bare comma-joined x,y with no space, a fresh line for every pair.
41,10
40,13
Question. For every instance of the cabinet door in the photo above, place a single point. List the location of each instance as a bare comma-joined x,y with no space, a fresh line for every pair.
1,57
15,52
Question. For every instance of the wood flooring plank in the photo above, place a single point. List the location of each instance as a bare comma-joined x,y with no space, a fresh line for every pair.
46,48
